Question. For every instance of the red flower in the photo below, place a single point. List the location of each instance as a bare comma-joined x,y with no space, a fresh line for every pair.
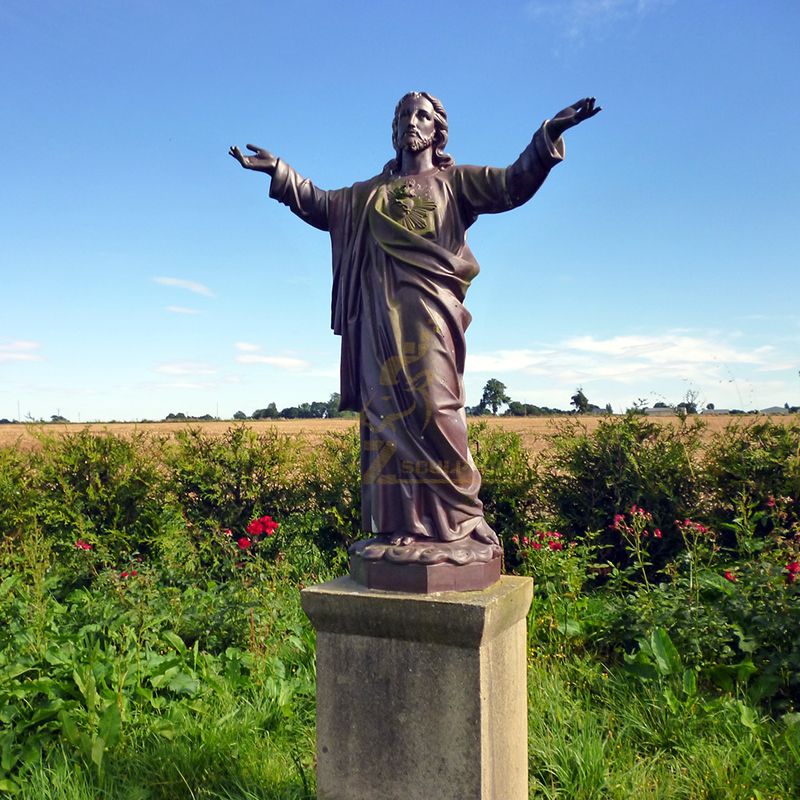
263,525
82,545
123,574
537,545
729,576
227,531
555,545
657,533
243,543
618,518
515,539
793,567
771,502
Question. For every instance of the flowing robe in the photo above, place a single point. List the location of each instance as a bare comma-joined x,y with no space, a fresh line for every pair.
401,269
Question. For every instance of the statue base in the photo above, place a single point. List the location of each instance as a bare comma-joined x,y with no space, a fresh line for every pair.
423,566
421,697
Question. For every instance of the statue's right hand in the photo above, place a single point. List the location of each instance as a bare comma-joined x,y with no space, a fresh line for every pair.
261,161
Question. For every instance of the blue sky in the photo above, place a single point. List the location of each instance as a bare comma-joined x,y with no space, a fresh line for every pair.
144,272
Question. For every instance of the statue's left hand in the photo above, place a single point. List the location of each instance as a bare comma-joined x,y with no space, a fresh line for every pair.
571,116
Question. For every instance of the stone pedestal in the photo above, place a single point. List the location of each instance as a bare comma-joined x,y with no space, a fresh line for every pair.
421,697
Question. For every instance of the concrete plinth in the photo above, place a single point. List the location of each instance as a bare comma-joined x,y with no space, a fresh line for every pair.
421,697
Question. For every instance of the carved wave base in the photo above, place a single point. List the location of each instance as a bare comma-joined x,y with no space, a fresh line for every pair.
422,566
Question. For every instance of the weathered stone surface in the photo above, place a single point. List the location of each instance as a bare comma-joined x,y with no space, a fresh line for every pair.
421,697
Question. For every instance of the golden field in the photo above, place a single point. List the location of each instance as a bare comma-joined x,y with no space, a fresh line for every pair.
535,431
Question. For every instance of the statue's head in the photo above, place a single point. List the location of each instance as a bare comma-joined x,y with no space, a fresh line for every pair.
437,139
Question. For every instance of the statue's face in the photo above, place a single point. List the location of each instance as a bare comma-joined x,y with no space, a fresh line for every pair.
416,126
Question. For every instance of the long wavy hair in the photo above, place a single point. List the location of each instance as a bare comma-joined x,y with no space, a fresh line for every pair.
440,158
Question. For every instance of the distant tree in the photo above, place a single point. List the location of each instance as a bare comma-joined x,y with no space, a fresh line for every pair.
291,412
579,401
270,412
638,407
660,404
689,403
179,417
58,418
240,415
710,407
609,409
494,395
516,409
333,406
319,410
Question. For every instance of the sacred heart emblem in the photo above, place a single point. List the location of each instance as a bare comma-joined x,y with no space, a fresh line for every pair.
409,207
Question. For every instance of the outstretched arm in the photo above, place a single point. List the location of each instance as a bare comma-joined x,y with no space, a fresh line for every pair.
528,172
287,186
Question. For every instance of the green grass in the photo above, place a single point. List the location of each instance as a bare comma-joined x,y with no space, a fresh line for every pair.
592,734
226,750
595,733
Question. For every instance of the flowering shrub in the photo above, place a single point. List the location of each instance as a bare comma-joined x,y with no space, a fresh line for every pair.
560,572
257,540
731,621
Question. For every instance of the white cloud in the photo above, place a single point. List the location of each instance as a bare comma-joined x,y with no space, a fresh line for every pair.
631,359
670,348
20,350
181,310
188,385
249,354
186,368
575,19
282,362
191,286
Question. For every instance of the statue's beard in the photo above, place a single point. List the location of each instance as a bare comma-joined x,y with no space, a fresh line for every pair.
415,143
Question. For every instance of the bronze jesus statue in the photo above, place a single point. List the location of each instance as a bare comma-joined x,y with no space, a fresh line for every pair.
401,270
